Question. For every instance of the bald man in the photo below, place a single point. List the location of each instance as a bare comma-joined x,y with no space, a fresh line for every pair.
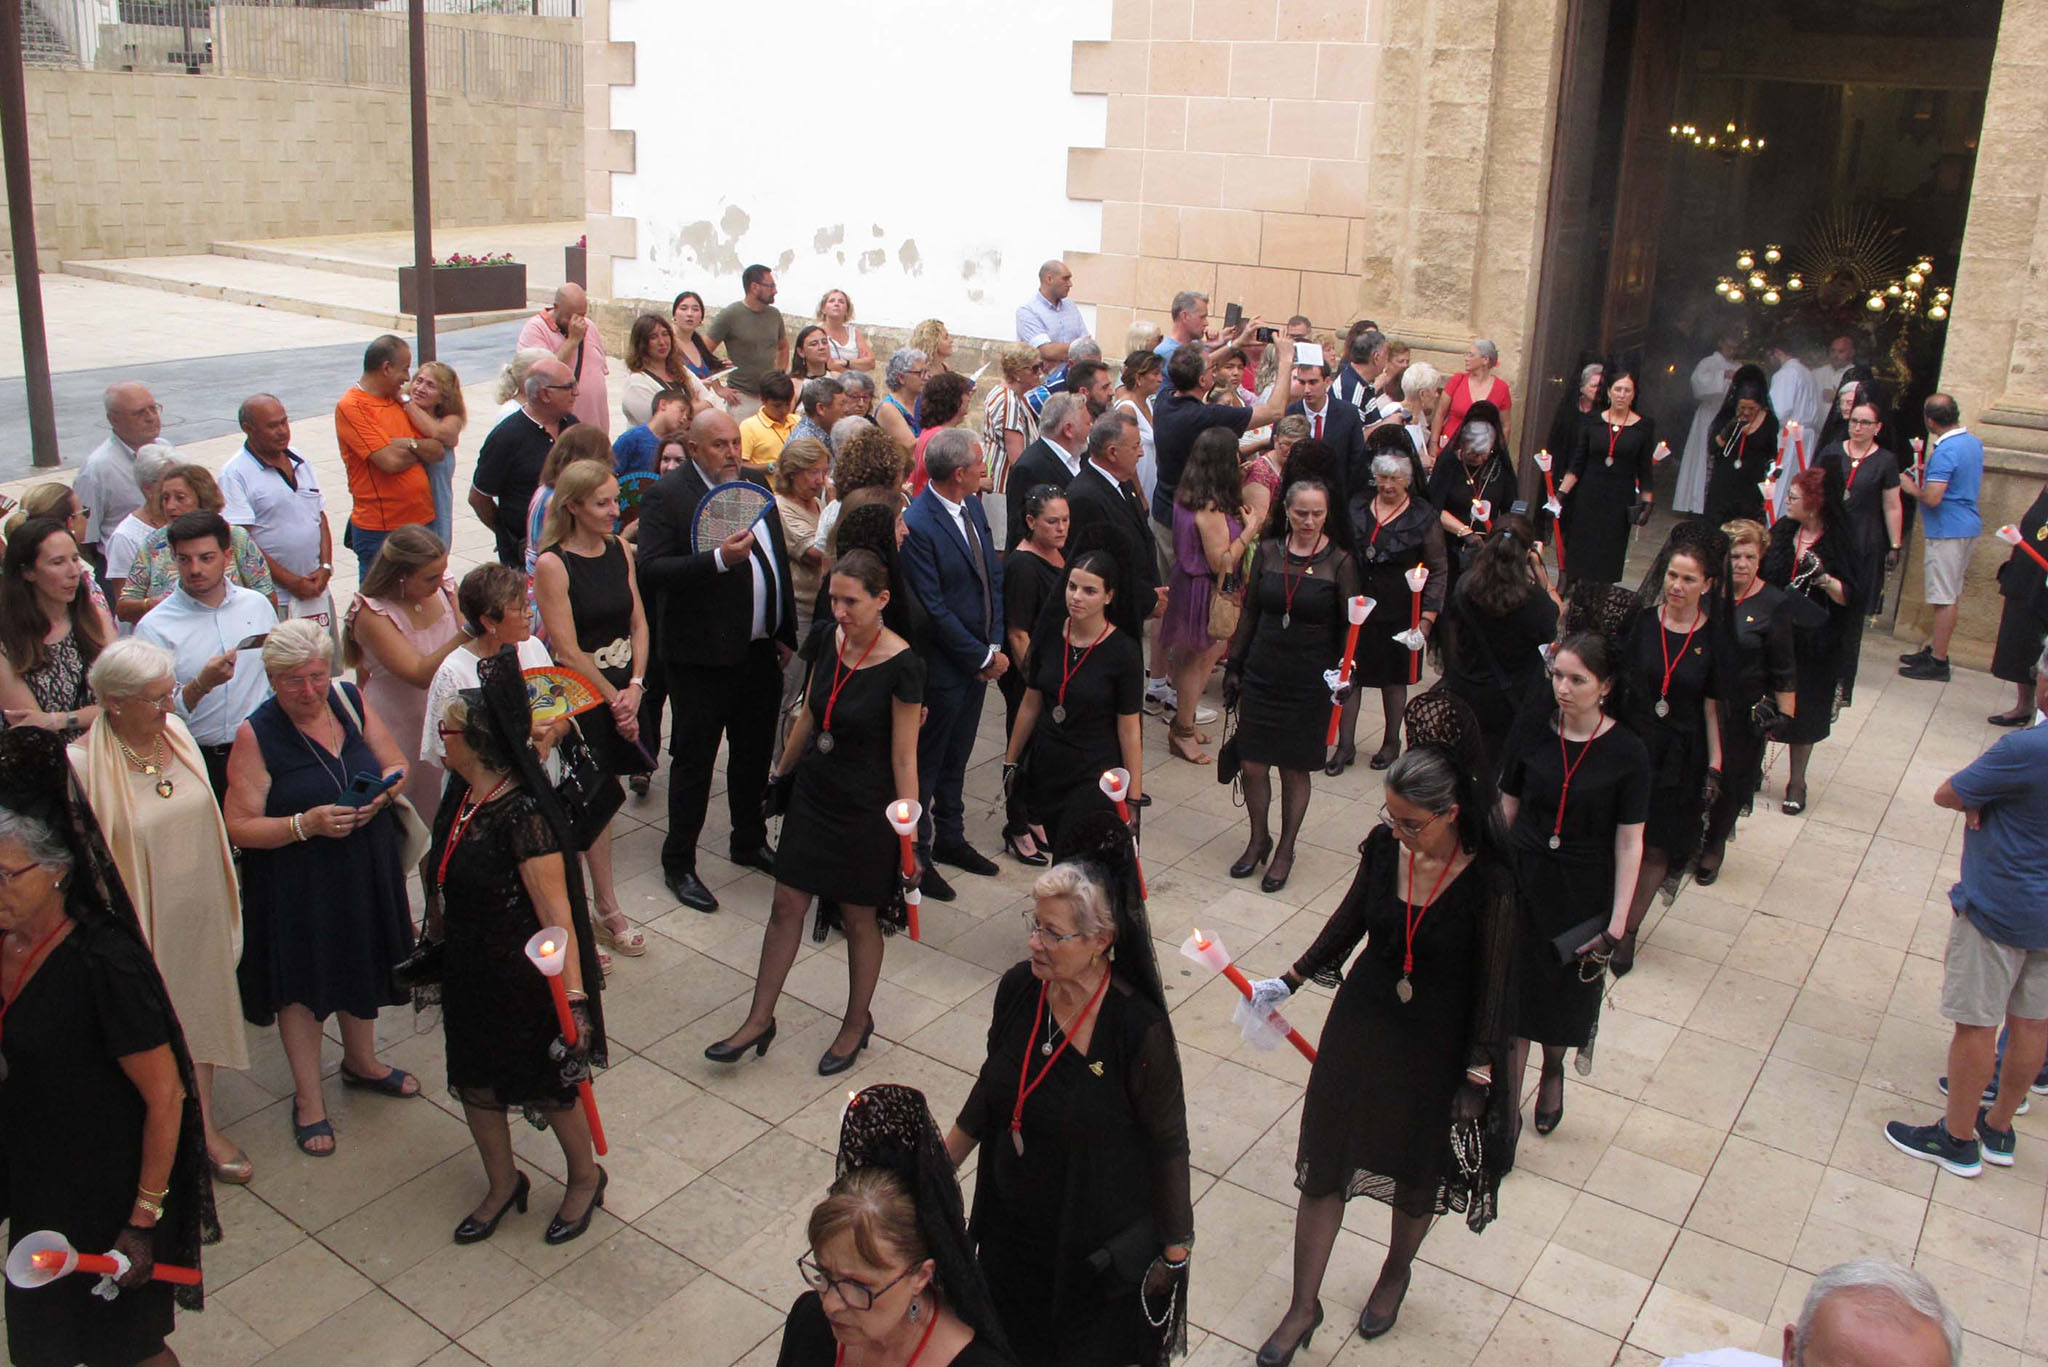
106,484
563,327
1046,320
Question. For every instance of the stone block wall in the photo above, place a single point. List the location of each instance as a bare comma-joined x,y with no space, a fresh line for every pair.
135,164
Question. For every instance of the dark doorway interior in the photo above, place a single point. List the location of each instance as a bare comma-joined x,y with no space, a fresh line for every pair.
1869,112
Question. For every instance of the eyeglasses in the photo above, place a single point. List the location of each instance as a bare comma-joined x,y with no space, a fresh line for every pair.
162,704
1863,422
1034,928
1411,829
855,1295
7,876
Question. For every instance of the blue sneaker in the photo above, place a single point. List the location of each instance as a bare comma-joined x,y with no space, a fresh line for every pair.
1990,1097
1997,1144
1934,1144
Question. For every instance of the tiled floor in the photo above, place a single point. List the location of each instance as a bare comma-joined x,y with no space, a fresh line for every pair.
1725,1148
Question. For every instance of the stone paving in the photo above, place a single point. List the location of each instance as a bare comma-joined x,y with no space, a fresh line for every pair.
1726,1147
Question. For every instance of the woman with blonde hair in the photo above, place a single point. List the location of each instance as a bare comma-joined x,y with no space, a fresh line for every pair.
932,338
434,403
512,379
590,604
850,350
153,572
146,780
1007,423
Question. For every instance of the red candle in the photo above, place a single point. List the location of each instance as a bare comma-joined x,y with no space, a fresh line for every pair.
1416,578
1116,786
2010,535
1359,609
1556,509
52,1260
547,954
1243,985
903,815
912,900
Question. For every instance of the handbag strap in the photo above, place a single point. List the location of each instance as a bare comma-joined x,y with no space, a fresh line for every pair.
348,706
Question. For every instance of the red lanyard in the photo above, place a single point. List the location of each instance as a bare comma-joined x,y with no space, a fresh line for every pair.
463,816
1379,522
1664,645
1413,918
1290,584
839,682
1571,767
1855,467
1613,436
839,1356
1068,671
28,965
1026,1088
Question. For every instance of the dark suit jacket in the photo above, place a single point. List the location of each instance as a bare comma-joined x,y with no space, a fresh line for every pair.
1039,464
1103,519
936,564
1344,433
706,616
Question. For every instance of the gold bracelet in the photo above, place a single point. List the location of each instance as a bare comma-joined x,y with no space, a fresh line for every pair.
156,1211
154,1195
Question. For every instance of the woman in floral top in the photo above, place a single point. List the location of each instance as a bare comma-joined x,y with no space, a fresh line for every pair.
186,489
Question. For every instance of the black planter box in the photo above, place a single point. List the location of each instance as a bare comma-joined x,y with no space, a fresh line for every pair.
466,289
576,266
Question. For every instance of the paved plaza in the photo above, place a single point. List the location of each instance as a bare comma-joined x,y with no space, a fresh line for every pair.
1726,1146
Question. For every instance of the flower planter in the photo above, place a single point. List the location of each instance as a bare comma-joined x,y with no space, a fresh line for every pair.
576,266
466,289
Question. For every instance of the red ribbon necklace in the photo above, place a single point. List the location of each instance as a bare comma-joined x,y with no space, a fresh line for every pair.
1412,920
463,816
1379,522
840,681
1571,767
1026,1084
1069,666
839,1356
1663,708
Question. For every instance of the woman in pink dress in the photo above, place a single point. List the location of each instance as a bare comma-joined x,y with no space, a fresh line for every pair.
1476,383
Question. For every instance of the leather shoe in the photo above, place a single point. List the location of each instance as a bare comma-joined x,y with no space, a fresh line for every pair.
966,858
761,857
935,887
688,889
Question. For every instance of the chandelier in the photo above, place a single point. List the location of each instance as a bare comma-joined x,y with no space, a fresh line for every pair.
1729,142
1911,295
1760,276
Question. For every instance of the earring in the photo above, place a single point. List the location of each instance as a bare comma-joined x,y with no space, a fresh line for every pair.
916,1311
1112,953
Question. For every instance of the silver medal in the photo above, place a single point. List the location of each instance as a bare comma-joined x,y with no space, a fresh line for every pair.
825,742
1663,708
1286,620
1017,1142
1404,991
1556,842
1059,713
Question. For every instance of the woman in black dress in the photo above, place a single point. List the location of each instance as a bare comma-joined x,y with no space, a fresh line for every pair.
589,602
1757,623
1408,1099
505,861
889,1247
100,1136
1575,792
1742,449
1031,579
1497,621
1296,616
1867,473
1672,659
1394,529
1574,411
2023,616
1609,483
1813,556
1477,468
1083,706
851,752
1082,1213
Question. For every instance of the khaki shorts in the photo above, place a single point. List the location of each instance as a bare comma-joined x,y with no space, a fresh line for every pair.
1162,548
1948,558
1983,981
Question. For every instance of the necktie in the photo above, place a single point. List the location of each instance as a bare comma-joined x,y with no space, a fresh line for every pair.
1317,421
980,568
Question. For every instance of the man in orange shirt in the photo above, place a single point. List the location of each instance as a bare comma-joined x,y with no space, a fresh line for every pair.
385,456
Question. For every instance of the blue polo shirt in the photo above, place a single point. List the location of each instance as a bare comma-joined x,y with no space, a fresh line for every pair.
637,449
1957,460
2004,887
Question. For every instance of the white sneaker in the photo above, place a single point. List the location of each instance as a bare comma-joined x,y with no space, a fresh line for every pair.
1159,697
1204,714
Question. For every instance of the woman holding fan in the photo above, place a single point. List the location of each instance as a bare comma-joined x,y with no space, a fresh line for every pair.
850,753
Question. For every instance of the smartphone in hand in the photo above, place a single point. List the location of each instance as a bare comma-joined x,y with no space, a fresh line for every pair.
366,788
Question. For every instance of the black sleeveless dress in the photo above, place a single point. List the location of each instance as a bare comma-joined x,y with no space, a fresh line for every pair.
601,598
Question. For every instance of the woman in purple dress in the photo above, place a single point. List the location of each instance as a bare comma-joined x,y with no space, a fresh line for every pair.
1210,537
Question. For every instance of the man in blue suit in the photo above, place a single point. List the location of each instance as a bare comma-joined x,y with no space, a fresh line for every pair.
950,561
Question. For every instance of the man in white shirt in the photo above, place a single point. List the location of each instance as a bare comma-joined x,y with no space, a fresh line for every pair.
205,622
106,484
1046,320
273,494
1860,1313
1841,355
1795,398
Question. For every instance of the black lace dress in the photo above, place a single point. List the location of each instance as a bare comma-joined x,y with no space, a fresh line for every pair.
1386,553
1105,1159
1282,648
1740,462
497,1015
1377,1117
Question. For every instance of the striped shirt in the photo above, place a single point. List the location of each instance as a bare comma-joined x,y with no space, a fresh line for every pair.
1004,411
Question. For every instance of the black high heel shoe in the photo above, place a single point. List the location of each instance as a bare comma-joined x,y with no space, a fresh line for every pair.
1341,759
1383,758
561,1231
475,1231
1371,1326
1249,865
1546,1121
830,1063
1269,1356
1276,879
1624,957
722,1052
1037,859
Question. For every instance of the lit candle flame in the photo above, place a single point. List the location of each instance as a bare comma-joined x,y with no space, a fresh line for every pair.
903,811
547,946
48,1258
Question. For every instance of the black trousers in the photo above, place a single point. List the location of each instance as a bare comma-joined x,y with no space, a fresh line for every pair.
737,703
654,688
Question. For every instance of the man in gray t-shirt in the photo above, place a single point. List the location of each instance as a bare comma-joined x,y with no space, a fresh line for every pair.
750,330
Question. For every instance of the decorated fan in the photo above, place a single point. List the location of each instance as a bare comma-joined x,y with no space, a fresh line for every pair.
634,486
731,507
553,691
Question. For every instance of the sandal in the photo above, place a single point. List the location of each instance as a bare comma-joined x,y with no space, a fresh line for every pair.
1793,806
235,1171
303,1135
391,1084
1548,1120
1185,745
625,937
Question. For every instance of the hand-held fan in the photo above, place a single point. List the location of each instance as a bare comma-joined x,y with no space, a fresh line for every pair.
552,692
730,507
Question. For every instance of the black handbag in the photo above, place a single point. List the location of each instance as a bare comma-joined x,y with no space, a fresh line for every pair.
590,795
1566,946
1125,1257
1229,763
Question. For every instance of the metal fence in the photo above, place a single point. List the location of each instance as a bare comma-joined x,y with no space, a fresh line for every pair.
481,55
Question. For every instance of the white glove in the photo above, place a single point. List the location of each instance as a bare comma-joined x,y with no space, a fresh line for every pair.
1412,638
1258,1023
1553,507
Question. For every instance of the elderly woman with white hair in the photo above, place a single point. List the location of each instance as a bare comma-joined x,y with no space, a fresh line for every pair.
324,906
1393,529
1415,389
1474,383
146,781
905,377
512,380
152,463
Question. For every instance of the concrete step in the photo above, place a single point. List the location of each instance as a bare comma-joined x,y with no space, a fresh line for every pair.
362,265
275,285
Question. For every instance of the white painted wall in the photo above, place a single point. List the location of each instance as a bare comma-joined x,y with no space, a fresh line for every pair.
970,95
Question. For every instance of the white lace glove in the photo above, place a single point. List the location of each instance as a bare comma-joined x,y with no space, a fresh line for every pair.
1412,638
1339,691
1258,1021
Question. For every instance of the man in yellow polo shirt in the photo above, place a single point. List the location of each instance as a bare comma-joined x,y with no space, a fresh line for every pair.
762,435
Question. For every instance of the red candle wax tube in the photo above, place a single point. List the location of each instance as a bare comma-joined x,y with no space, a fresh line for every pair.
902,816
1358,609
547,955
107,1265
1205,951
1416,578
912,900
1116,786
2010,535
